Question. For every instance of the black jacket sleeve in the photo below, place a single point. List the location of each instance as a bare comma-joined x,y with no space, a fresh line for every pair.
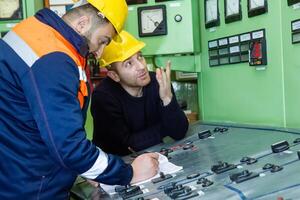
174,122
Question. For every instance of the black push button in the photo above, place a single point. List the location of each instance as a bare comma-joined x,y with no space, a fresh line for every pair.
161,178
243,176
217,129
188,142
280,146
248,160
187,146
201,180
297,140
191,176
207,183
128,191
168,188
222,167
276,168
267,166
222,130
244,159
204,134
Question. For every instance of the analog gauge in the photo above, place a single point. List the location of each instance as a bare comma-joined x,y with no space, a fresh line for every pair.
256,4
152,20
257,7
232,11
211,13
232,7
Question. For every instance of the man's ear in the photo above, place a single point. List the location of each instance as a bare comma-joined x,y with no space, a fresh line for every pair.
113,75
82,25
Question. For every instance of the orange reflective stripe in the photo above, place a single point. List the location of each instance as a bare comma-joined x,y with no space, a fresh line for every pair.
81,93
43,40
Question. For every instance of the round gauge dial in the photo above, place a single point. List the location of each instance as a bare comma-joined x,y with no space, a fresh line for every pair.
152,20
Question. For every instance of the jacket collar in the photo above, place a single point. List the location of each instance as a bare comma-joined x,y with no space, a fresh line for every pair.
48,17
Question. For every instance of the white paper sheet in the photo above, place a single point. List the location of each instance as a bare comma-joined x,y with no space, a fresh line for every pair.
164,166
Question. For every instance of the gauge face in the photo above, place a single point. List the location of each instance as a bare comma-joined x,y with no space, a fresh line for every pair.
211,10
152,20
211,13
233,11
10,9
257,7
256,4
232,7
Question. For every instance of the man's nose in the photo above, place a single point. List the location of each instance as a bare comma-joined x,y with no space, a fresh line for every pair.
99,52
139,65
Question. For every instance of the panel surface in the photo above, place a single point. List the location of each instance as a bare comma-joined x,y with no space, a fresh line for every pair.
230,146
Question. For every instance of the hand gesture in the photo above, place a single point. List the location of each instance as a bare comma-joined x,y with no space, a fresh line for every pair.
163,78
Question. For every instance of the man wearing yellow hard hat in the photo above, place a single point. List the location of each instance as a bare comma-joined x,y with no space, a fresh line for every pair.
44,97
132,108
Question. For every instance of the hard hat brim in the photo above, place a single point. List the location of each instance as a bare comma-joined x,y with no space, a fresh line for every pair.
128,54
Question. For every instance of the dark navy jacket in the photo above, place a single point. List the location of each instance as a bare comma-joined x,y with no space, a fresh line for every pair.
43,145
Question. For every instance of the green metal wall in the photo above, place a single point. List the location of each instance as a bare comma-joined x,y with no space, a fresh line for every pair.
291,67
240,93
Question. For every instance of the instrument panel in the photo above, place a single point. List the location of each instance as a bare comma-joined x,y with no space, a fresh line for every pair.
222,162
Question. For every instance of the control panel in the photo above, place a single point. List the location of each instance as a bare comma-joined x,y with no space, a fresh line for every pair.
225,162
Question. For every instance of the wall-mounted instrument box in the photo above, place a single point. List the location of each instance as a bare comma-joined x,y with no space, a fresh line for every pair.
170,29
245,47
292,2
295,26
167,27
258,49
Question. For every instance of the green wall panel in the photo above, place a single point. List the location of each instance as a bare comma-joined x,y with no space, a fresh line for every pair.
182,37
291,63
237,92
182,43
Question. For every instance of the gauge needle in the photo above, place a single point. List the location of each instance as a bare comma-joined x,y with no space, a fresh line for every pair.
154,22
256,4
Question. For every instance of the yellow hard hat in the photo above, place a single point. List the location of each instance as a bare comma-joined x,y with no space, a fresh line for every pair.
114,10
120,51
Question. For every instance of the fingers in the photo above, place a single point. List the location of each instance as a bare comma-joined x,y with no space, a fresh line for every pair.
153,155
168,70
165,74
164,77
153,158
158,76
155,164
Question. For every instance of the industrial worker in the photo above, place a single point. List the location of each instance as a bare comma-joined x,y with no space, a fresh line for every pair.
133,109
43,98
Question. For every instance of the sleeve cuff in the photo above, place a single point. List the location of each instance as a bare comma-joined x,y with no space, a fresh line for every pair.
173,105
116,173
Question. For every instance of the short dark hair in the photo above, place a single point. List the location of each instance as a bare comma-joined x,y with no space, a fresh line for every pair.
97,17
